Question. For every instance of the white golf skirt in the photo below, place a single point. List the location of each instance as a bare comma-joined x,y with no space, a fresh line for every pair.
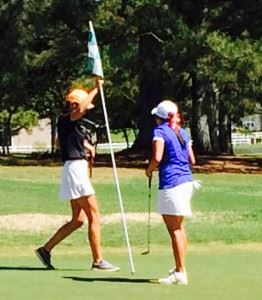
176,201
75,182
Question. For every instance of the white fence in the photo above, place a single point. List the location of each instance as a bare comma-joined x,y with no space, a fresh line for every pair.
252,138
29,149
103,147
116,146
237,139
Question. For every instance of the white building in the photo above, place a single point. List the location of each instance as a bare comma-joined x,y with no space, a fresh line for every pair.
38,139
252,122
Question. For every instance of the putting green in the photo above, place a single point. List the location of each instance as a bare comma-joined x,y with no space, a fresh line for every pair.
215,272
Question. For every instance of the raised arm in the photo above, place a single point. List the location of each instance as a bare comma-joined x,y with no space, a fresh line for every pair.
86,103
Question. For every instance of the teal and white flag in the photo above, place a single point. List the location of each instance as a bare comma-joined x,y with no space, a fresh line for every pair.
94,64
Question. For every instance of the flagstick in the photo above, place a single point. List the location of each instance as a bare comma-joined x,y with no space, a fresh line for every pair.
116,181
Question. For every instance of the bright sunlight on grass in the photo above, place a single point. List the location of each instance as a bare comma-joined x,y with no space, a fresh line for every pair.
224,233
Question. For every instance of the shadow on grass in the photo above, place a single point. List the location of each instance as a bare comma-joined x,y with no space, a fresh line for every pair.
83,279
7,268
29,160
112,279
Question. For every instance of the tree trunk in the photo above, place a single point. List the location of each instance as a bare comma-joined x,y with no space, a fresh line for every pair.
7,136
150,90
2,128
224,130
199,126
53,120
125,134
211,108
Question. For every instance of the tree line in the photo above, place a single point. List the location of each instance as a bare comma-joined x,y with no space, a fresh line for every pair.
205,55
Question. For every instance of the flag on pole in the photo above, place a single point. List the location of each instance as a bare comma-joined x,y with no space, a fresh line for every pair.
94,67
94,64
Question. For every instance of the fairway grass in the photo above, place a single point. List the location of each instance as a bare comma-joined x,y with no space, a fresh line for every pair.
215,272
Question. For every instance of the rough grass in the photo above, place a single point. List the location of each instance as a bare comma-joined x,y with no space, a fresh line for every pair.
227,208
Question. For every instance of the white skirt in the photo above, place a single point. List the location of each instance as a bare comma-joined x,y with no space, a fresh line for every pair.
75,182
176,201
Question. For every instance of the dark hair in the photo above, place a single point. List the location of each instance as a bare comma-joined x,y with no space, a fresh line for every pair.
180,116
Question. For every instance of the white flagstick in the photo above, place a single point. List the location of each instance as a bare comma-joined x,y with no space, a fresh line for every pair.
116,181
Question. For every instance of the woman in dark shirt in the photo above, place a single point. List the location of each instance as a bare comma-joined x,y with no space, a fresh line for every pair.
75,184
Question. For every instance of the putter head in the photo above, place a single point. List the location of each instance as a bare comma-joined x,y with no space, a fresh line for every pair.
145,252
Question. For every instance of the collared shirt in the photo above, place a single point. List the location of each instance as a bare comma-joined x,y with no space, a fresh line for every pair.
174,167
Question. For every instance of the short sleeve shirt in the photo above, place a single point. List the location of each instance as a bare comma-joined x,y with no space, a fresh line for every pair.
174,168
71,138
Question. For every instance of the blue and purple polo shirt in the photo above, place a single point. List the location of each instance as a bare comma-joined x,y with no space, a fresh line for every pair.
174,167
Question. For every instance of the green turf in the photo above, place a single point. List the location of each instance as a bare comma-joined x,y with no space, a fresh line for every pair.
225,237
248,150
227,208
223,274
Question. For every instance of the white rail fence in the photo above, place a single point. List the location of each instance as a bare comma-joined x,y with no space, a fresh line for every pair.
237,139
252,138
103,147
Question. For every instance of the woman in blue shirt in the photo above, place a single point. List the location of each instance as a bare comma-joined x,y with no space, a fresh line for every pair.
171,156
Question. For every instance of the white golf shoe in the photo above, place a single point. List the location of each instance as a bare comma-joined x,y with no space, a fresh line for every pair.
174,278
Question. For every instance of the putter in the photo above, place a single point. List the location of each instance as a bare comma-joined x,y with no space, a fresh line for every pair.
149,217
91,162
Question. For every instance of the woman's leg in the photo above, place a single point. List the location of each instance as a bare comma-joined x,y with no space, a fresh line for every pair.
90,206
178,238
78,217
